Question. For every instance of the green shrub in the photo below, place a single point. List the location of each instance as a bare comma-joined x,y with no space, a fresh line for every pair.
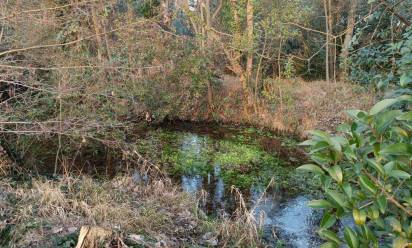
365,173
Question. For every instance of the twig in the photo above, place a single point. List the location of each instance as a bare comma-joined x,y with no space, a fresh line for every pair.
389,197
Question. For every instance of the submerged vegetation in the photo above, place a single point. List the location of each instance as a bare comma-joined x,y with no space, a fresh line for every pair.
240,156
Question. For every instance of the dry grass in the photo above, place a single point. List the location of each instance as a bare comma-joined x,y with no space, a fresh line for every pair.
322,105
46,211
5,162
290,105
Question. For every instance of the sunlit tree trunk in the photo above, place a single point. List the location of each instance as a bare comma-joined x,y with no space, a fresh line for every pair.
348,37
235,56
164,10
96,28
249,31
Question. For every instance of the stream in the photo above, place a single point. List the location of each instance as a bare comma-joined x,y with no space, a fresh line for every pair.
211,160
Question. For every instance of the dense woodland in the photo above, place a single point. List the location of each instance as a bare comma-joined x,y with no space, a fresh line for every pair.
83,83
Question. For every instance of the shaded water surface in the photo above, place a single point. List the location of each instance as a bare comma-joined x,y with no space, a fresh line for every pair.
211,164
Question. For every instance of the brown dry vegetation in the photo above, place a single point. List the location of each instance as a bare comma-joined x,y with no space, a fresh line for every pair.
292,105
45,212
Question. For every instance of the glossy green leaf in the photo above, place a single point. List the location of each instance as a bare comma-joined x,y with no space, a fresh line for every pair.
405,116
320,204
385,119
367,184
311,168
338,198
308,142
329,235
328,220
347,188
344,128
367,233
389,167
351,238
400,131
400,243
400,149
382,105
329,245
320,135
336,173
406,98
395,224
356,114
373,213
405,79
359,216
378,167
399,174
382,203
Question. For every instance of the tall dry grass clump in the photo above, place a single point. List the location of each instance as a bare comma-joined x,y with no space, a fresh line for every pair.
292,105
44,212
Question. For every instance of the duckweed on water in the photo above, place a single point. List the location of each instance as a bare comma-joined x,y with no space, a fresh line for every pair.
242,161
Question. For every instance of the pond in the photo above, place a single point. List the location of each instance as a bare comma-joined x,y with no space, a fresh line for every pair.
211,161
226,166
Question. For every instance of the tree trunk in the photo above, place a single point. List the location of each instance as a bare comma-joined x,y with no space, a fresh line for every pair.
164,9
235,15
348,37
279,57
325,5
332,43
205,41
249,27
96,27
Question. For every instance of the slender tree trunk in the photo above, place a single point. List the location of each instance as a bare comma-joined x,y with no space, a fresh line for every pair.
217,10
332,43
249,30
348,37
164,9
235,56
205,41
105,35
279,57
325,5
97,31
235,15
257,75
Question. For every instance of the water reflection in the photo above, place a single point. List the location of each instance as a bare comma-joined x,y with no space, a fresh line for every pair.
288,219
192,184
219,189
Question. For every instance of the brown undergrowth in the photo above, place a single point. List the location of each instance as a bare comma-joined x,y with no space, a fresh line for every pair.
288,105
49,213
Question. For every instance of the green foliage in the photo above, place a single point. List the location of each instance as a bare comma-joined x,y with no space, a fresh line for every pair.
67,241
366,175
386,57
289,70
